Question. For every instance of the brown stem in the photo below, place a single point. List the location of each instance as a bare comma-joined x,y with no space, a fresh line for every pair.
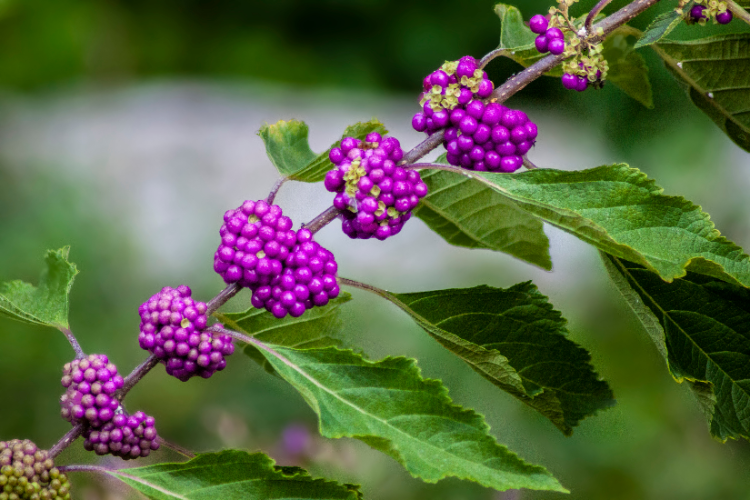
594,12
528,164
136,375
738,11
73,342
423,148
235,335
66,440
275,189
176,447
222,298
322,220
363,286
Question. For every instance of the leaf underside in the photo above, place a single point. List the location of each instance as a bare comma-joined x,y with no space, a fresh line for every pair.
702,326
46,304
516,340
287,145
389,406
232,475
661,26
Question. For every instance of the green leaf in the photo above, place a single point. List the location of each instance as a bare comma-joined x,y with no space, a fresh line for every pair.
318,327
516,340
46,304
517,40
316,169
702,325
621,211
468,214
287,145
627,69
661,26
389,406
715,73
231,475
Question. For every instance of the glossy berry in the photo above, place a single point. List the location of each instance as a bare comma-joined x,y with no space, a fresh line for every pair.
538,24
556,46
376,197
550,40
447,90
26,472
255,239
308,280
90,385
724,17
127,437
696,12
173,328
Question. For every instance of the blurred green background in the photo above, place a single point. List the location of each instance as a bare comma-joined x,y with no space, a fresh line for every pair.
126,129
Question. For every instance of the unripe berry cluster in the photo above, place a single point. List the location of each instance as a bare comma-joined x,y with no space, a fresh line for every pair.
376,197
127,437
308,280
489,137
90,387
173,329
454,85
548,39
28,473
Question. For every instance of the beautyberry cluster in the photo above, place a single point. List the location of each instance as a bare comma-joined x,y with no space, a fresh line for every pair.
127,437
90,387
308,280
453,86
28,473
173,328
375,195
550,40
712,9
489,137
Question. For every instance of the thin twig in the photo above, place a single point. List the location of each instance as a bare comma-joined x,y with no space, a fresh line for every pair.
423,147
176,447
528,164
73,342
136,375
235,335
363,286
322,220
595,12
738,11
492,55
66,440
222,298
275,189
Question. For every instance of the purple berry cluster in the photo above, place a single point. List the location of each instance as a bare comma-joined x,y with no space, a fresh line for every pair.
489,137
26,472
376,197
699,13
453,86
548,39
308,280
90,385
255,240
173,329
587,74
127,437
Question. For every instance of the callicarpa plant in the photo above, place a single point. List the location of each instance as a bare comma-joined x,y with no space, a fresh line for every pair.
685,282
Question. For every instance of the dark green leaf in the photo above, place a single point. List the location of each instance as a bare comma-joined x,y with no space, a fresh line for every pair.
316,169
516,340
469,214
232,475
702,325
318,327
46,304
388,405
715,72
287,146
660,27
627,69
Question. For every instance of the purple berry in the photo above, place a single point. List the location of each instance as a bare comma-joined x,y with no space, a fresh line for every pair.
418,123
556,46
541,43
569,81
538,24
553,33
697,12
724,17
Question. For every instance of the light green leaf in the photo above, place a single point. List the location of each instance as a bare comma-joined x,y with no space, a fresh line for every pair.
388,405
715,73
703,326
627,69
316,169
231,475
468,214
318,327
287,145
516,340
46,304
660,27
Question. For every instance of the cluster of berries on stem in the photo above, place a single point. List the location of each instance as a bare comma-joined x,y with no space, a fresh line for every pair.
91,384
712,9
549,39
28,473
127,437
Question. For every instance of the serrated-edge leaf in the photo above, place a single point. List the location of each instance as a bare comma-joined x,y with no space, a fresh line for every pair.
46,304
388,405
468,214
316,169
515,339
702,326
513,31
722,92
287,145
231,475
661,26
319,327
